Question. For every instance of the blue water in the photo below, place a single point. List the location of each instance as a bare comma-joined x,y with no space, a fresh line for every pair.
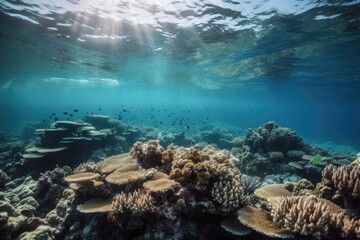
219,62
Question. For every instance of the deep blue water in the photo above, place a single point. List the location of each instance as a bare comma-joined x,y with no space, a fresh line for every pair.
218,62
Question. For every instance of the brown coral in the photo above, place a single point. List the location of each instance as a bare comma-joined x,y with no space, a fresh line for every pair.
138,202
196,169
161,185
95,205
344,183
82,177
122,178
148,154
260,221
304,215
272,190
349,227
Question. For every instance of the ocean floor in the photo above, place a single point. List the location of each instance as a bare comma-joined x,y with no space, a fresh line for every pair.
99,178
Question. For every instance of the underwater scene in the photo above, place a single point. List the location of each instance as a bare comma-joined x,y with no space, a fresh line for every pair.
179,119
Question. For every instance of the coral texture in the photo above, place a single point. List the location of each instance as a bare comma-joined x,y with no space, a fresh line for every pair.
148,154
135,203
349,227
304,215
344,184
227,191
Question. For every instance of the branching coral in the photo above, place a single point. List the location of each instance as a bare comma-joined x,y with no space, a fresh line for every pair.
148,154
138,202
344,182
304,215
89,167
349,227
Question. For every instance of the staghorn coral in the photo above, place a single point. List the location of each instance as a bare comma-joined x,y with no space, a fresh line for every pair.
89,167
349,227
344,182
304,215
148,154
138,202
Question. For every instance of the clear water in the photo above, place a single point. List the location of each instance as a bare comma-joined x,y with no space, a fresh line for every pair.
211,62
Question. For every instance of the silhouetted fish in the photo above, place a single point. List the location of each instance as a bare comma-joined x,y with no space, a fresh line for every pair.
53,114
99,109
65,113
187,126
75,110
71,115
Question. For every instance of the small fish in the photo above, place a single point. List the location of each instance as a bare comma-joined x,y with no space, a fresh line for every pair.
75,110
56,119
180,123
53,114
71,115
65,113
161,122
99,109
187,126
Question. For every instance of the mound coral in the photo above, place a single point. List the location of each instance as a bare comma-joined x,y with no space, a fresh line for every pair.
304,215
227,191
148,154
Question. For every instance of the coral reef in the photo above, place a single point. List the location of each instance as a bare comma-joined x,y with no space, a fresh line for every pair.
178,192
